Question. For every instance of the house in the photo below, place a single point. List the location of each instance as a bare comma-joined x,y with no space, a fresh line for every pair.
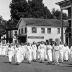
35,29
11,34
3,39
67,5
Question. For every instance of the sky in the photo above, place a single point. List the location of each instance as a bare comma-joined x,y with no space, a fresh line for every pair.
5,10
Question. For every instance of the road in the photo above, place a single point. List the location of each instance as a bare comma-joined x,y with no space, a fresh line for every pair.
33,67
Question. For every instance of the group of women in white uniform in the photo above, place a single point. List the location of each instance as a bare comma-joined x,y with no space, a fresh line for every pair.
32,52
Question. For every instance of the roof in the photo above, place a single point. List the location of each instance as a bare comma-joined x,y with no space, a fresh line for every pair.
43,22
11,27
63,3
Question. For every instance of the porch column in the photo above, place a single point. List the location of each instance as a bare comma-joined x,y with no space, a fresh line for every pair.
62,27
71,20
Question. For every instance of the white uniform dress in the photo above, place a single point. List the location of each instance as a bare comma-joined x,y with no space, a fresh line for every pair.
3,50
19,55
38,52
56,54
42,52
25,47
49,53
70,57
45,54
61,52
34,49
10,53
24,51
29,53
0,50
66,53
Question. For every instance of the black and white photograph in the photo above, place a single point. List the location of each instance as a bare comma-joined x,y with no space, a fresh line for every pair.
35,35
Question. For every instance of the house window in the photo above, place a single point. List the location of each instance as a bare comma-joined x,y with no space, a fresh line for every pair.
49,30
42,30
58,30
25,30
15,33
34,30
21,30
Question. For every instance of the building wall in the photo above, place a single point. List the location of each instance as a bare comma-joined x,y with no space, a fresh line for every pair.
14,32
21,25
11,35
32,36
37,37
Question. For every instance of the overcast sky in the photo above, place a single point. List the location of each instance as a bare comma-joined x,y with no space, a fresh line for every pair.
5,11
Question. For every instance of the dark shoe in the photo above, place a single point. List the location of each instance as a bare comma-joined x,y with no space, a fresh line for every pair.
9,62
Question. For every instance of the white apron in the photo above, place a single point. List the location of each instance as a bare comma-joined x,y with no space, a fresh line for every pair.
66,53
19,55
10,53
29,53
56,53
42,52
34,49
49,53
61,52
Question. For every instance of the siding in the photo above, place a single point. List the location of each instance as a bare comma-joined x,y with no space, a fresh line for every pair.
46,36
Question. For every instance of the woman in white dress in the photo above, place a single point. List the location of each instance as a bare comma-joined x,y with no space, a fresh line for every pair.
56,54
61,52
0,49
10,53
29,53
66,53
34,49
38,53
19,55
42,52
49,53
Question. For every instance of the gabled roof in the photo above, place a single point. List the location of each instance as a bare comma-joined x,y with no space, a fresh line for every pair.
63,3
43,22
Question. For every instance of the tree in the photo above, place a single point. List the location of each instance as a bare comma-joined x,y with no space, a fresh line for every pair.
18,9
2,25
57,14
38,10
30,9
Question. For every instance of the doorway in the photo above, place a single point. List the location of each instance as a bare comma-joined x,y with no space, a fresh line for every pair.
22,39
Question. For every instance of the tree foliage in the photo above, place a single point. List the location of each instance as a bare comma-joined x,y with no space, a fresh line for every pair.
38,10
18,9
57,14
30,9
2,25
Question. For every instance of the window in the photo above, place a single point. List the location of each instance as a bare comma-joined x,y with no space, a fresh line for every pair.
42,30
69,23
49,30
58,30
22,31
25,30
34,30
19,31
15,33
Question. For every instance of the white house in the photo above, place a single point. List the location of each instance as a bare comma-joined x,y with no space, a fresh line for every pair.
32,29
